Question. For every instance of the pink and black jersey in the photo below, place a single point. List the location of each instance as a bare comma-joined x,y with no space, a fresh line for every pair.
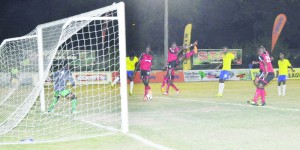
146,62
265,58
172,53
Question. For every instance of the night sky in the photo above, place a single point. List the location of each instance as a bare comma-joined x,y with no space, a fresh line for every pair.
233,23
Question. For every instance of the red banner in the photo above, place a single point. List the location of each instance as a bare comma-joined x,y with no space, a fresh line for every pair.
277,28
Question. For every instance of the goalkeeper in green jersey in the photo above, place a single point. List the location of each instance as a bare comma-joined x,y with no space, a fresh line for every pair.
60,79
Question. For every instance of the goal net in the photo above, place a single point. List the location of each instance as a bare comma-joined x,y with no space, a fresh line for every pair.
54,80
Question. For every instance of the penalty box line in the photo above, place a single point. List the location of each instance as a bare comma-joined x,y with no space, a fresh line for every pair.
232,104
131,135
147,142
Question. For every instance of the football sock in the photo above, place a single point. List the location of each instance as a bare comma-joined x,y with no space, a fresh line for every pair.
283,89
74,104
164,82
116,80
131,86
221,87
168,86
146,90
262,94
257,93
55,99
279,90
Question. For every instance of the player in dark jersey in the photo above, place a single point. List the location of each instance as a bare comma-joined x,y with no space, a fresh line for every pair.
60,79
266,76
173,62
145,66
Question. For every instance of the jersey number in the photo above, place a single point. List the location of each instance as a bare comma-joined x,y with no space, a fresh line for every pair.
268,59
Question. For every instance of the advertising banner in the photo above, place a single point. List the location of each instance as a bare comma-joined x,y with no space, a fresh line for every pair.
213,75
158,77
214,56
87,78
291,74
92,78
187,41
277,28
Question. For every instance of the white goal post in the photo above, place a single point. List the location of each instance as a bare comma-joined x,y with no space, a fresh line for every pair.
54,79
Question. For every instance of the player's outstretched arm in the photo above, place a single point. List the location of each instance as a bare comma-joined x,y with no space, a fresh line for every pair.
291,67
219,66
186,46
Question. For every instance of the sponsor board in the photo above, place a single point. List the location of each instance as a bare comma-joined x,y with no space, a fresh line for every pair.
291,74
87,78
158,77
213,75
215,56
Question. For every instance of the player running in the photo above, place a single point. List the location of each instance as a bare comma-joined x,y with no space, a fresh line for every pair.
224,75
283,65
266,76
131,64
60,79
145,66
173,62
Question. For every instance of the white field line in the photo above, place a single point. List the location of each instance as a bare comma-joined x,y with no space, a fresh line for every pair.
232,104
131,135
147,142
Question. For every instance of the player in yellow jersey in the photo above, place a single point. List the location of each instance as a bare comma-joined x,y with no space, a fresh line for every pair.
283,65
227,59
131,63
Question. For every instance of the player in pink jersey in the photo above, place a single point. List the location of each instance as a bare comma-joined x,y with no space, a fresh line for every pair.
173,62
145,66
260,74
266,76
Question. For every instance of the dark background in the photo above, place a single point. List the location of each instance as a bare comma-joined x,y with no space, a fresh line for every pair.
244,24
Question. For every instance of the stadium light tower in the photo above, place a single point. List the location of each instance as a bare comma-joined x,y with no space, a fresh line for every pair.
166,31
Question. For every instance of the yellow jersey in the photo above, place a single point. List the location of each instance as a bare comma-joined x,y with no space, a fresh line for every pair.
283,66
130,65
227,58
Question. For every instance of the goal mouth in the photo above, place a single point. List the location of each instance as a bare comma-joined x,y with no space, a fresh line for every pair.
56,79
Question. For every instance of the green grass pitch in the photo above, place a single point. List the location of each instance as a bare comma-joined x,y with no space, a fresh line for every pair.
196,119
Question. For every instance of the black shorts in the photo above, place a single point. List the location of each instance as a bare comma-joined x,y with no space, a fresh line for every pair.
266,80
171,77
172,64
145,74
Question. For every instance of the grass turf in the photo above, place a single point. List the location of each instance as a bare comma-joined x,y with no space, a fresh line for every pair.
196,119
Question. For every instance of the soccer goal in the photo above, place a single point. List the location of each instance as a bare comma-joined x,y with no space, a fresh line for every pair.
54,80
